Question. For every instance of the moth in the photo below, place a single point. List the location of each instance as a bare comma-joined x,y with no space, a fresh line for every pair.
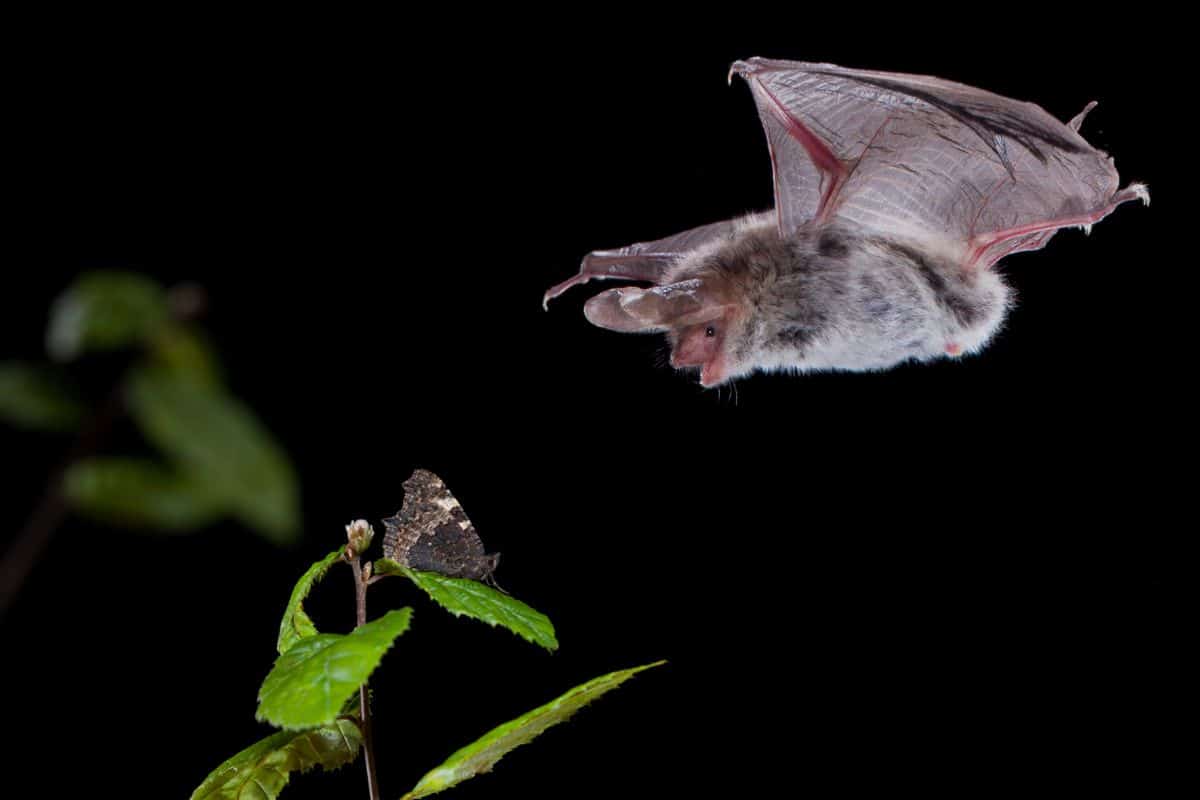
895,198
432,533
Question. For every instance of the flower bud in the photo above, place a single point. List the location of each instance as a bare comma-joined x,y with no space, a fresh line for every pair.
359,533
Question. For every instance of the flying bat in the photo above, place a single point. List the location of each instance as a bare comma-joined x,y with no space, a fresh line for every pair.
895,197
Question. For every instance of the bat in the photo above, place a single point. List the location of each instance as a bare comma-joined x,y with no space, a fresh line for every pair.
895,197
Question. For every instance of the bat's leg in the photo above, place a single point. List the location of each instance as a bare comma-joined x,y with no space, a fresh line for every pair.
989,248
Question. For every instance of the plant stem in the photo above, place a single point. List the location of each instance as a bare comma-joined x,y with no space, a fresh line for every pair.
360,589
51,510
186,303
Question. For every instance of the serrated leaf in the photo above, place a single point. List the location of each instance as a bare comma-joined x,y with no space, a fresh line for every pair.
482,754
296,624
184,349
104,311
309,683
218,441
462,597
33,398
262,770
139,493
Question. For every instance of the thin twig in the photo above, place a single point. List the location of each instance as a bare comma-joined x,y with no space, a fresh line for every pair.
52,509
186,302
360,591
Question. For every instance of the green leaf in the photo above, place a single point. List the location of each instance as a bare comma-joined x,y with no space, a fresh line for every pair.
462,597
310,682
218,442
35,399
482,754
104,311
139,493
183,349
296,624
262,770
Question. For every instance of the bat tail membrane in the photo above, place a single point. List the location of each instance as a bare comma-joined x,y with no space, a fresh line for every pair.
988,248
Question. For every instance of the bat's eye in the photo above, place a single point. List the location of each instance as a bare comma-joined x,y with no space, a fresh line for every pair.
710,331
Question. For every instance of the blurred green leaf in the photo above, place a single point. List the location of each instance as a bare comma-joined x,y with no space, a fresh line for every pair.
104,311
185,350
296,624
34,398
219,442
310,683
262,770
482,754
139,493
462,597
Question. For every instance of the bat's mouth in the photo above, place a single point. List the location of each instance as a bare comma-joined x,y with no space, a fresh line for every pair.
685,311
712,372
703,345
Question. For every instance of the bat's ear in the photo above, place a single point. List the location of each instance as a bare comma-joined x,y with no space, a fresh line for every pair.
632,310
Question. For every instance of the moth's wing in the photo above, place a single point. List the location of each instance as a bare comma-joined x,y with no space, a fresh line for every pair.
927,159
447,549
430,516
644,261
399,538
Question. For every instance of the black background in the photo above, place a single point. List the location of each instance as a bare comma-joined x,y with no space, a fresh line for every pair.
954,575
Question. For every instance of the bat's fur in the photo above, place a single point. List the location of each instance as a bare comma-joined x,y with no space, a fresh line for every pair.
836,298
895,197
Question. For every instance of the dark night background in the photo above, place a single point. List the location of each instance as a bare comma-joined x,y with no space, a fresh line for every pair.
951,575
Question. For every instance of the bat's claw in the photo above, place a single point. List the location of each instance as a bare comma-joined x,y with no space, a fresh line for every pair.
1141,191
555,291
742,68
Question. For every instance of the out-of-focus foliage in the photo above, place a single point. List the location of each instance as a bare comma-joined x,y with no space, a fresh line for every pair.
35,398
218,459
105,311
183,350
218,443
139,493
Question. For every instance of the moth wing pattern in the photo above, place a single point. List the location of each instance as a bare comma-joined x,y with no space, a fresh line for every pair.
919,157
431,532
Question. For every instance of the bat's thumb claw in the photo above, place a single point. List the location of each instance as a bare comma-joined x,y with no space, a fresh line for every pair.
742,68
555,291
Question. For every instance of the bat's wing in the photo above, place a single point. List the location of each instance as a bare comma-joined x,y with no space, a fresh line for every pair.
924,158
645,261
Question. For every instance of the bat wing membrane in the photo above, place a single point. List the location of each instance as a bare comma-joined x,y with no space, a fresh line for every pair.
924,158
